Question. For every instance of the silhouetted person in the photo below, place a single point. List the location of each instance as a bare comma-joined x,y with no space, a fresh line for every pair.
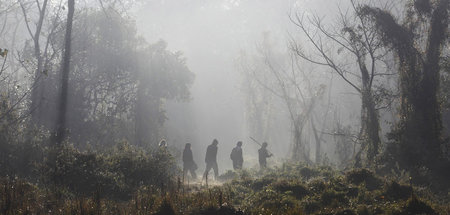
236,156
263,155
211,159
188,162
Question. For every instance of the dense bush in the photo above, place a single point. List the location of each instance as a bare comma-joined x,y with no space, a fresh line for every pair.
116,174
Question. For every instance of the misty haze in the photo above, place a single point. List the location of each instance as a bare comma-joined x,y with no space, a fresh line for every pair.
224,107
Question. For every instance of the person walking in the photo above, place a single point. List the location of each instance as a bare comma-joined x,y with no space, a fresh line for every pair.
236,156
263,155
188,162
211,159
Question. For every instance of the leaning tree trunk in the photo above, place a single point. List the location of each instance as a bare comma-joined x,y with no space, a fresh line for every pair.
61,120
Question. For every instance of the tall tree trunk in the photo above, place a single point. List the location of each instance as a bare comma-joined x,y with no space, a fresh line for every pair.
61,120
317,139
371,125
430,107
139,123
369,115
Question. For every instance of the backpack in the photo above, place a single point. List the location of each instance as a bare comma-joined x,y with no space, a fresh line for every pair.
233,154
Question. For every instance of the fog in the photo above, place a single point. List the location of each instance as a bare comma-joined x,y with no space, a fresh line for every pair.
211,34
220,42
117,106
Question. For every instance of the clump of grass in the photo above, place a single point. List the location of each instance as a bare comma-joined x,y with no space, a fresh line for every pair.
297,189
416,206
259,184
166,208
311,205
222,210
317,185
307,173
395,191
229,175
333,198
359,176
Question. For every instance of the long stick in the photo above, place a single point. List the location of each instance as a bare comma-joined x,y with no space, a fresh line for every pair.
260,144
255,141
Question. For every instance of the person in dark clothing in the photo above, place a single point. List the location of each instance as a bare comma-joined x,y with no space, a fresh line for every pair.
263,155
188,162
211,159
236,156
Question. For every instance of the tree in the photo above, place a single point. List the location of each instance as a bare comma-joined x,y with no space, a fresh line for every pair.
356,44
280,75
162,75
119,82
417,44
44,60
65,71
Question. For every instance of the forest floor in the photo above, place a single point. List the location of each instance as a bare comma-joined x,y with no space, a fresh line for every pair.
289,189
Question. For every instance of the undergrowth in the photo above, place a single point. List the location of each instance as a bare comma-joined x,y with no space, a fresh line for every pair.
290,189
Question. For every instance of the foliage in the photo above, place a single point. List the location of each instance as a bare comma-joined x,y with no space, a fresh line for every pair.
418,44
118,83
116,174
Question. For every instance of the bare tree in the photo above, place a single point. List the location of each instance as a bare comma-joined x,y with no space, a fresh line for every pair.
287,81
354,38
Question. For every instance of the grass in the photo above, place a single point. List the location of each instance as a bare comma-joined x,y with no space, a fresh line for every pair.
283,190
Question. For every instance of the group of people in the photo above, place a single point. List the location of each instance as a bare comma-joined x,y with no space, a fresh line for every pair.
236,156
